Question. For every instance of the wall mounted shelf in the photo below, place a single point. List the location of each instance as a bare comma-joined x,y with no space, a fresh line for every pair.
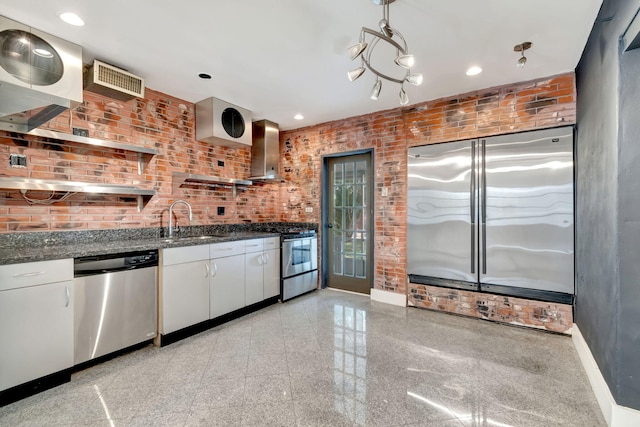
144,154
15,183
181,179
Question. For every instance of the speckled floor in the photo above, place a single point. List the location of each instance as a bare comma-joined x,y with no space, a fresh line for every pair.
331,359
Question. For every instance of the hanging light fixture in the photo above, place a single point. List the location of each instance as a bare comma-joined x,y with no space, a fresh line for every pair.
364,50
521,48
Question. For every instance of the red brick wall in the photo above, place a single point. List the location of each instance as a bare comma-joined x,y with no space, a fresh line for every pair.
531,105
166,123
512,108
159,121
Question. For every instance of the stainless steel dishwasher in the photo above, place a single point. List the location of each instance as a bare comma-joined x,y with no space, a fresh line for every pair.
115,303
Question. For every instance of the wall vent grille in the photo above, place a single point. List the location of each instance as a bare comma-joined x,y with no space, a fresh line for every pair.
113,82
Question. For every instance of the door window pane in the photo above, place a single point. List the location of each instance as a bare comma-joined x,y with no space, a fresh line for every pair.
361,245
337,264
338,244
348,265
361,266
348,219
337,173
361,172
338,220
337,196
359,214
349,173
348,195
360,196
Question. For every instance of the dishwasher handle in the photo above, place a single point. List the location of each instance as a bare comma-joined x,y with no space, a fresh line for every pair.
113,263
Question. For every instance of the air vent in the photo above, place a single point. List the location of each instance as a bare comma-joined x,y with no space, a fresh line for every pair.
107,80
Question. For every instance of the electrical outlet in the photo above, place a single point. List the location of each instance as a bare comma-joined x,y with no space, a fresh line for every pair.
80,132
308,209
220,163
385,191
220,210
17,160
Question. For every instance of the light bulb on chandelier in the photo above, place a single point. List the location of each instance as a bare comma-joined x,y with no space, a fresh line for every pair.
521,48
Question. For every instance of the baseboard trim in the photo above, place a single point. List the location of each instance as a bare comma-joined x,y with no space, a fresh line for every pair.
614,414
387,297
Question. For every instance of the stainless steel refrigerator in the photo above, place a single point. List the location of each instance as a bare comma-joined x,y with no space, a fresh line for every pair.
494,214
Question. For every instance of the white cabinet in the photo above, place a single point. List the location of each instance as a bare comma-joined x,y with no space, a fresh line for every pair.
36,320
262,269
254,281
271,273
184,287
204,282
227,283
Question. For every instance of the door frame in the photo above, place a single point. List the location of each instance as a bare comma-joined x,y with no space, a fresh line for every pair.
324,212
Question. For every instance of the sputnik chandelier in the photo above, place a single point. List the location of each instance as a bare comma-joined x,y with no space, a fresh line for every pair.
403,59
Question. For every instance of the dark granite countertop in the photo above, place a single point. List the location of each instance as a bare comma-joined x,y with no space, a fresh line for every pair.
29,247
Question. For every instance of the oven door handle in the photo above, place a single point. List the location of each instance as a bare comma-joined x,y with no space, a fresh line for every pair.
300,239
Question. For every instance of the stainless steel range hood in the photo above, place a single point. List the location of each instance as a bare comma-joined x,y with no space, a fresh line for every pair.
265,152
40,76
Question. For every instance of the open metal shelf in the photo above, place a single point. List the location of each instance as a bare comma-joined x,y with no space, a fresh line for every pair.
16,183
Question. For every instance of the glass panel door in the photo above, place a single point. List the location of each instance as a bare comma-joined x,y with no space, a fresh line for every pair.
349,190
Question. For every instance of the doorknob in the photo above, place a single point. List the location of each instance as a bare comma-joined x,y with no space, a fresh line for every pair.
329,225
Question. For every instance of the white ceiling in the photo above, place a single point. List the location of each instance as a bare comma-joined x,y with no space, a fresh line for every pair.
279,58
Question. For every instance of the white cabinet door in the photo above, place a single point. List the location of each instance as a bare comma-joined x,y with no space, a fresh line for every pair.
227,285
184,295
271,273
254,280
36,332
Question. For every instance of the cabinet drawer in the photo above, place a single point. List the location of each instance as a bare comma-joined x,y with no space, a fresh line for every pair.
35,273
253,245
220,250
271,243
171,256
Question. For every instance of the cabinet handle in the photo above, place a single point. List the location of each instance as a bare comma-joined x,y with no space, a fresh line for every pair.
35,273
68,294
207,270
266,258
215,269
253,246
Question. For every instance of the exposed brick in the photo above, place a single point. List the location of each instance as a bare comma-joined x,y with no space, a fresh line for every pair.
167,124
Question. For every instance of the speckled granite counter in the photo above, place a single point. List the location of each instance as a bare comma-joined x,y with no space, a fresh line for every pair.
42,246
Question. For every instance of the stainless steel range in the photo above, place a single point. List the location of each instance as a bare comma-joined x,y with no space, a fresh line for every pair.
299,260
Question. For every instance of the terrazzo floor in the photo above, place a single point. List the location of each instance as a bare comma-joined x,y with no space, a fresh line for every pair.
331,359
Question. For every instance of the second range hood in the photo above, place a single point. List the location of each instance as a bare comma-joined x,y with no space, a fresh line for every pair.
265,152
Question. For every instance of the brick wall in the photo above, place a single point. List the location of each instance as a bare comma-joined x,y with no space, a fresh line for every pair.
167,124
532,105
159,121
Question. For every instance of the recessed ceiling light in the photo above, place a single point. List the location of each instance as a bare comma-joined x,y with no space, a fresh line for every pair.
474,71
72,19
298,117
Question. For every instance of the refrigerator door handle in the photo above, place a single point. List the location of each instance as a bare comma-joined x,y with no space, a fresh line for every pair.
472,192
484,206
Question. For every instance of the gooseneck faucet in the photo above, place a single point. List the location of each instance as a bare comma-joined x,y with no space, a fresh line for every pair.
171,215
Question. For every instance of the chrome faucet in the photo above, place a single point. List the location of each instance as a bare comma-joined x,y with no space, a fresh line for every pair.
171,215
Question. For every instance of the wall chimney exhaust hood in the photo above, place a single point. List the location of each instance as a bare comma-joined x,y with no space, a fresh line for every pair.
265,152
40,76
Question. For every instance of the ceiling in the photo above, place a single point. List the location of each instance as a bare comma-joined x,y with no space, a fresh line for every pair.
281,58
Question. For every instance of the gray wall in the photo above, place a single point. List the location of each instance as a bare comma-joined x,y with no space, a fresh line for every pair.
608,202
